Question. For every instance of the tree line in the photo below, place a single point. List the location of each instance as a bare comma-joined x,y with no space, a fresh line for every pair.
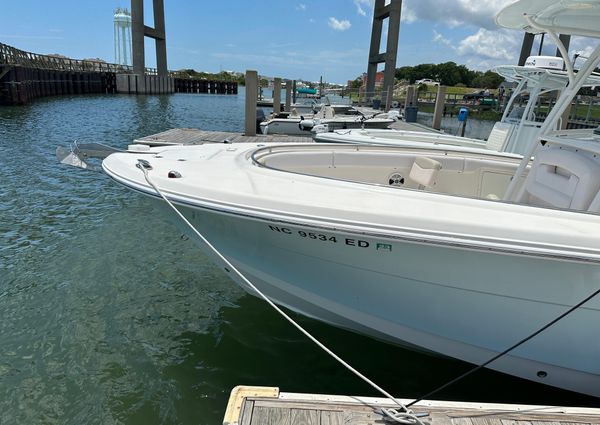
450,74
447,74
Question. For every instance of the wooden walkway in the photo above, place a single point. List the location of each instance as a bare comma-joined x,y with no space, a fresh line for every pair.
192,136
267,406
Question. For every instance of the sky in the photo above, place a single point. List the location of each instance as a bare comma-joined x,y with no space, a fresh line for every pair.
291,39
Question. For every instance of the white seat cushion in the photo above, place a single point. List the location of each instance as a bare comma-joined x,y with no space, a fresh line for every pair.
562,179
424,171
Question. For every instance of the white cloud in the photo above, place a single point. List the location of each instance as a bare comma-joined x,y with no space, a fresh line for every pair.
454,12
339,25
582,47
408,15
359,6
312,21
439,38
484,49
497,45
301,7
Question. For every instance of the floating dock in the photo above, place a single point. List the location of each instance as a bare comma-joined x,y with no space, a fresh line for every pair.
268,406
194,136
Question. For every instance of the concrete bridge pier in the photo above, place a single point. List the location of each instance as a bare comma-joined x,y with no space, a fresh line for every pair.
140,82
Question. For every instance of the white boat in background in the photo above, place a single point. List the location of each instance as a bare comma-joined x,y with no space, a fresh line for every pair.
308,105
456,250
511,134
326,118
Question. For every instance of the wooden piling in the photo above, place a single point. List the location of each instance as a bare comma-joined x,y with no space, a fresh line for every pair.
276,95
440,102
288,95
251,99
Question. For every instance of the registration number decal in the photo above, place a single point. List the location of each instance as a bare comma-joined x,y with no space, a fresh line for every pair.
359,243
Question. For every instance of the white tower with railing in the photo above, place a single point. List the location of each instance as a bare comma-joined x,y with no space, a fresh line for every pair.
122,37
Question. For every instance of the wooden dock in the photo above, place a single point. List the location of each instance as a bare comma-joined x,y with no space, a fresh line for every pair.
194,136
268,406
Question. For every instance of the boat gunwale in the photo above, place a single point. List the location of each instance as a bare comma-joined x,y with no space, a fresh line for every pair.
418,236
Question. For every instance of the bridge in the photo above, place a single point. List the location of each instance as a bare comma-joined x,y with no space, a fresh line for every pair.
25,76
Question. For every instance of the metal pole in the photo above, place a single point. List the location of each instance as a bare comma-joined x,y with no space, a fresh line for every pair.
541,44
321,87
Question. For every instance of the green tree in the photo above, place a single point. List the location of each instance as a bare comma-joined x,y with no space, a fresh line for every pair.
488,80
449,74
357,83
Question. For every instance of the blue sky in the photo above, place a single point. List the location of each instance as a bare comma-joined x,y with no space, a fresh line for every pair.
292,39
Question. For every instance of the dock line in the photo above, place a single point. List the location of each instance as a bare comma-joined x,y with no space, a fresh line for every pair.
406,416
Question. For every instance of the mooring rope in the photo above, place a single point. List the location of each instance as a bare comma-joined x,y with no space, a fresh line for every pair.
405,416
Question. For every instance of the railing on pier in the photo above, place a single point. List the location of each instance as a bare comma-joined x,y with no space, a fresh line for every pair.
12,56
25,76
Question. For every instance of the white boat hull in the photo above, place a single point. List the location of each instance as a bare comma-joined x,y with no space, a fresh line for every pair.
468,306
293,127
290,127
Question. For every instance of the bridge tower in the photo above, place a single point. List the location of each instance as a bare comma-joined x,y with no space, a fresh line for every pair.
122,37
391,12
139,31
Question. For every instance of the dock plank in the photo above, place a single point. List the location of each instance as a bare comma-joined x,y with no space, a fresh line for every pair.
193,136
271,416
308,409
304,417
246,412
333,418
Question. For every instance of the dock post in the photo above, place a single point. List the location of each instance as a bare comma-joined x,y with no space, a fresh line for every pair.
276,95
294,91
388,98
288,95
410,96
440,101
251,99
565,117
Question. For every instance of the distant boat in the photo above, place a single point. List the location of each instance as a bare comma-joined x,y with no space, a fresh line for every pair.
306,90
327,118
519,124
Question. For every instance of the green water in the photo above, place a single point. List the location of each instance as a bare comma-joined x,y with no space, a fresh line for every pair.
107,316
